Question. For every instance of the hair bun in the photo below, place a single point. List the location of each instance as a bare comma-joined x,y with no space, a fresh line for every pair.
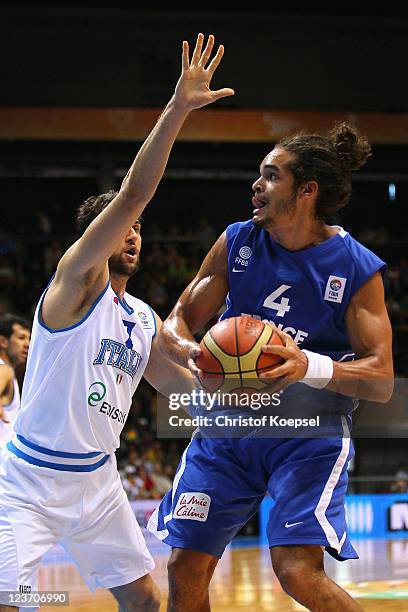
352,148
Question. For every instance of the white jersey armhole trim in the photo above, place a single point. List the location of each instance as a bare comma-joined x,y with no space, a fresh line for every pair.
70,327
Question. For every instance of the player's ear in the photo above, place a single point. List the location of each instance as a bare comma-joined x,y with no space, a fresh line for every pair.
3,342
309,189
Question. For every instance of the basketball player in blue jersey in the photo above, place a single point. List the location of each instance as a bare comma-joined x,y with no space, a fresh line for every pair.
324,291
91,344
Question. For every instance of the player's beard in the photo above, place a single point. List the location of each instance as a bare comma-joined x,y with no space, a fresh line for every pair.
121,268
278,210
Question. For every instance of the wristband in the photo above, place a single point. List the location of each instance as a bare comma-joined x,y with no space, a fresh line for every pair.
319,370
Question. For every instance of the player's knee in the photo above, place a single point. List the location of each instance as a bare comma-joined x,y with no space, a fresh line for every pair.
142,594
290,575
189,566
297,567
152,600
295,575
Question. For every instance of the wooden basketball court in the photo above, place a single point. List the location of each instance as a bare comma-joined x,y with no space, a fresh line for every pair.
244,579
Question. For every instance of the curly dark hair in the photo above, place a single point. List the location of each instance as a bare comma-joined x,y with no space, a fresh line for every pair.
91,208
328,160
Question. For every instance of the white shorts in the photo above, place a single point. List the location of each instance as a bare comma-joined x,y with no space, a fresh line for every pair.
87,513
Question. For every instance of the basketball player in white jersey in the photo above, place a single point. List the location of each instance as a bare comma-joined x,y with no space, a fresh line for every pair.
14,343
91,344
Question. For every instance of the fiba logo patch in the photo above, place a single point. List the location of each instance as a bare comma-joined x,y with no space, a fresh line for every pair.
245,252
144,320
335,289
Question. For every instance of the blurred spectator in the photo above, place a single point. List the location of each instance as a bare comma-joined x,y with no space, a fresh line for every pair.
162,482
401,480
206,236
5,305
42,221
373,236
7,273
132,483
52,255
148,490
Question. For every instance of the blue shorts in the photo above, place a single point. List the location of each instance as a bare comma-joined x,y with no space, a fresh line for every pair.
220,484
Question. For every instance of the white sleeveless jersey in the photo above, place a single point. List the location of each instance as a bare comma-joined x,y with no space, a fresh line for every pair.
80,380
10,412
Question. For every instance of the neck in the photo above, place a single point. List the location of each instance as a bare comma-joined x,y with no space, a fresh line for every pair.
118,284
296,236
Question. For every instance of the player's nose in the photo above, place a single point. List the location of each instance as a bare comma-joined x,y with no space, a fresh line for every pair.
131,235
258,185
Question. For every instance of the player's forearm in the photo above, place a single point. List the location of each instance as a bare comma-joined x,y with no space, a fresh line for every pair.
147,169
173,378
176,339
370,378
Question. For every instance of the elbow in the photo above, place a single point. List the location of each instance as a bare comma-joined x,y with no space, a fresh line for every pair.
384,390
384,384
387,392
383,399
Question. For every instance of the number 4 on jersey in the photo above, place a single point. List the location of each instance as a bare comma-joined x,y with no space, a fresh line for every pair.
281,307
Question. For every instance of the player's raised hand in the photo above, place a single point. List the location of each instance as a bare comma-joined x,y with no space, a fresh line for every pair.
193,87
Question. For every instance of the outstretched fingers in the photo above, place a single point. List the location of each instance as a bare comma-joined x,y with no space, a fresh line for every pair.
193,87
207,51
216,60
222,93
185,56
197,51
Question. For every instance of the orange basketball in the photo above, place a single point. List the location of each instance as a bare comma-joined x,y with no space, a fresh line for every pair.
231,353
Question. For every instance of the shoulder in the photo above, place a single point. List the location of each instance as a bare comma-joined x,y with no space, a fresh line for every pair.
137,304
365,263
145,313
6,372
361,255
240,228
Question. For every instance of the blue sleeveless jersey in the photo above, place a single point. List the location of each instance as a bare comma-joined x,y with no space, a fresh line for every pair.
305,293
